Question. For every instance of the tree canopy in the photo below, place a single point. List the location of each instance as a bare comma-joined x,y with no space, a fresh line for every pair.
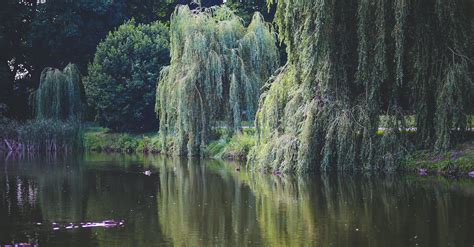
15,19
59,94
351,63
246,8
121,80
217,68
52,33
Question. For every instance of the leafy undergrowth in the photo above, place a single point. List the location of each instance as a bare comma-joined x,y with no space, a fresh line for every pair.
102,140
458,161
234,148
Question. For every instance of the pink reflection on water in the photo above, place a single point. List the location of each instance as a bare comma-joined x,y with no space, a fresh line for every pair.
103,224
21,245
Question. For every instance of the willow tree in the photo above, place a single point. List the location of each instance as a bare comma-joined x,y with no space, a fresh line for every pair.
351,62
217,69
59,94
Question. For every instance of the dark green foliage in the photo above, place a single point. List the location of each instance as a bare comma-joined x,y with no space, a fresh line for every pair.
6,83
147,11
37,34
14,24
36,136
122,78
50,136
454,162
59,94
6,78
246,8
102,140
65,31
235,148
217,69
349,63
58,110
7,126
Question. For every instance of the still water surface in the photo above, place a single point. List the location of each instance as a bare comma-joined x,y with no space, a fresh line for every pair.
209,203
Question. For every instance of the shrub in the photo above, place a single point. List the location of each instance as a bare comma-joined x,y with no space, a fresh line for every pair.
235,148
50,135
121,80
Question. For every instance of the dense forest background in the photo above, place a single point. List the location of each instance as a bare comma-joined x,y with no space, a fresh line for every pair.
36,34
290,86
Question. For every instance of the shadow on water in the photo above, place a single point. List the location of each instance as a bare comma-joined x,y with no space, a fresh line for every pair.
74,190
363,211
200,203
208,203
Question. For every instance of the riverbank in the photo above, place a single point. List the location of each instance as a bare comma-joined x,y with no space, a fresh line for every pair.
277,210
454,163
98,139
40,136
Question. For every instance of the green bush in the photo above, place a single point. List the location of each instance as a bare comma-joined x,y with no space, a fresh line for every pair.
149,145
50,135
235,148
7,126
101,140
121,80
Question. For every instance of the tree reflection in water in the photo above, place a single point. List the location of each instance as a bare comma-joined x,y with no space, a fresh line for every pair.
202,204
208,203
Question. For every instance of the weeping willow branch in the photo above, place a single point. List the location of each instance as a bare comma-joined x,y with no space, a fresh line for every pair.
58,96
351,62
58,110
217,69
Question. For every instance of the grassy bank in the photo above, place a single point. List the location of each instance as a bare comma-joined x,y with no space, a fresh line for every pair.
100,139
234,148
458,161
40,136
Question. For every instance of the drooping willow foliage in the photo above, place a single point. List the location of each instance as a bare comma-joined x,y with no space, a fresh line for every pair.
59,94
217,69
58,110
351,62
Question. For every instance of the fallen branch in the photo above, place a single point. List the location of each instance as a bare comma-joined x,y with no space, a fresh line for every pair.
8,144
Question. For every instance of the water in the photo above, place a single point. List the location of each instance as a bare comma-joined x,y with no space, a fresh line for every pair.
209,203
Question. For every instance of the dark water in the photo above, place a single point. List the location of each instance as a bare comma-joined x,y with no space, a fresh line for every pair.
208,203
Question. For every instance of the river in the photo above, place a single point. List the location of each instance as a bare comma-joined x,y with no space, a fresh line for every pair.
108,200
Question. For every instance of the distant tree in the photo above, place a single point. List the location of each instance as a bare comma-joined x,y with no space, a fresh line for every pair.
217,69
15,19
147,11
121,80
59,94
246,8
51,33
65,31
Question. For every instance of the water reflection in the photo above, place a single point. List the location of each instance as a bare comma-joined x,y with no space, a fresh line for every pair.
202,204
37,193
208,203
364,211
